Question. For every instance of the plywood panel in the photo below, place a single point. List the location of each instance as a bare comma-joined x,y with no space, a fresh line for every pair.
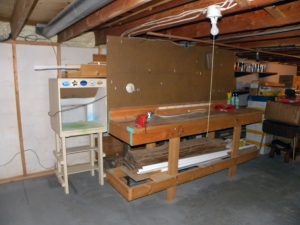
9,144
164,73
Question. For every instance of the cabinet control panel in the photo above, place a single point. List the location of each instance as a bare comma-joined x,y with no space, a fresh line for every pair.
80,83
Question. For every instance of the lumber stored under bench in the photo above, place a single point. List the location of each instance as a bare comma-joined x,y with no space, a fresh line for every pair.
172,128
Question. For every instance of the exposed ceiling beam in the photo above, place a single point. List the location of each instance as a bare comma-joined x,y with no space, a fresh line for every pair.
99,17
118,30
248,21
21,12
155,8
175,37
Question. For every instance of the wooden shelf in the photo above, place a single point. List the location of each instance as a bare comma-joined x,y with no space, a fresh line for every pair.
260,74
161,181
240,74
266,74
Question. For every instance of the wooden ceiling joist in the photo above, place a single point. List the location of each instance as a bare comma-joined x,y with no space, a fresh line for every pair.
99,17
154,8
174,37
118,30
247,21
21,12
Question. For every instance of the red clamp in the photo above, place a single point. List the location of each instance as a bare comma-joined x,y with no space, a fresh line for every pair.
141,121
224,108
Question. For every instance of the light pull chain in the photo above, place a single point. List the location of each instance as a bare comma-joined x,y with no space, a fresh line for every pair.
211,85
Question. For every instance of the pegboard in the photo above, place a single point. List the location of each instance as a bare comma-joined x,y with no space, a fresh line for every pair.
165,73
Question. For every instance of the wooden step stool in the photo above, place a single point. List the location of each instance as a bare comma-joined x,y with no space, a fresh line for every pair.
63,170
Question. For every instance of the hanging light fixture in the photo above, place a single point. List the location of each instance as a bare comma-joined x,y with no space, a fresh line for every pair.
214,13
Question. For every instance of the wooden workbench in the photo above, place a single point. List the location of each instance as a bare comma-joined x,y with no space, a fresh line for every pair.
168,127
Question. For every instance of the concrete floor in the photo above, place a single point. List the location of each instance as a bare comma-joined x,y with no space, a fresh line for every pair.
266,191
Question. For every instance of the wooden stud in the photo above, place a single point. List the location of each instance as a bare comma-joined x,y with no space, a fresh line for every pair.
174,145
18,107
58,58
21,12
235,148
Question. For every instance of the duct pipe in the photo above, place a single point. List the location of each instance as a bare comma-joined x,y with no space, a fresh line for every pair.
70,15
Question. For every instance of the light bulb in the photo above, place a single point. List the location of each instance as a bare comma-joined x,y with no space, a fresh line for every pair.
214,29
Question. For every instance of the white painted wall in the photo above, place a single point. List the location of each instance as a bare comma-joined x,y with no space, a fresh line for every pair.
34,101
9,139
34,96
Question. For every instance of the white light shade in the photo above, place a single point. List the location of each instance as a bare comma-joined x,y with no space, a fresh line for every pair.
213,11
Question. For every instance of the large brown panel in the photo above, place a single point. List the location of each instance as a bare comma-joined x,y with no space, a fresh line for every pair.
165,73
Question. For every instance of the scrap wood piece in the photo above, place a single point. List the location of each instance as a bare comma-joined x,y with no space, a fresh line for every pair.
139,158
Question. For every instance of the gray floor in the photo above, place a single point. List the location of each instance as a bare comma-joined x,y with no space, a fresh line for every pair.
265,192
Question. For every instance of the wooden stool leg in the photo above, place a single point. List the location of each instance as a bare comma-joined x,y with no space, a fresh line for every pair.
100,159
92,154
65,166
57,153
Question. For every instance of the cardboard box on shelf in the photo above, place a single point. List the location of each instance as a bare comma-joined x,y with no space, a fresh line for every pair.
99,58
88,71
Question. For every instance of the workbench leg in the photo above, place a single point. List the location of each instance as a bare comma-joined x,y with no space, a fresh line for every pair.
235,148
174,145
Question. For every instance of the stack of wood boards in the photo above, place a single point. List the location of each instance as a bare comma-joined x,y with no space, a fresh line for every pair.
137,159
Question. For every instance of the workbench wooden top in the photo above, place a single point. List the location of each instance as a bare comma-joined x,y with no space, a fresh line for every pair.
169,126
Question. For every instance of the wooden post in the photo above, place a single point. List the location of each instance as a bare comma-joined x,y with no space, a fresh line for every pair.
19,117
174,145
58,58
235,148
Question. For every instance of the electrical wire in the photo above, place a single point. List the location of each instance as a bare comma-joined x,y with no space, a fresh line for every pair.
34,37
27,150
182,17
211,84
76,107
